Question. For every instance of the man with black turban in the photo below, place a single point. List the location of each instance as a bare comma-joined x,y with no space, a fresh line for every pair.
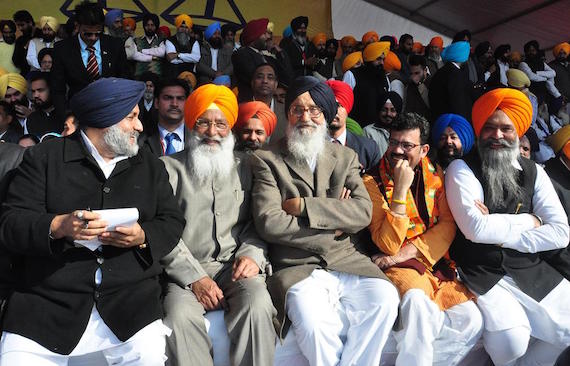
302,54
308,199
88,288
389,106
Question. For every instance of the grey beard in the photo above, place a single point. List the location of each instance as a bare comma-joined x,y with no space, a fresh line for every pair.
148,96
304,145
118,33
183,39
498,172
119,141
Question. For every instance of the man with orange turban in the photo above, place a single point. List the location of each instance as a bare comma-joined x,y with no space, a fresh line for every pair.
129,26
510,220
393,70
433,51
347,43
220,262
369,37
562,67
255,123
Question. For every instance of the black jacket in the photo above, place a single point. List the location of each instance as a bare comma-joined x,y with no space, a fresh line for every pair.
367,150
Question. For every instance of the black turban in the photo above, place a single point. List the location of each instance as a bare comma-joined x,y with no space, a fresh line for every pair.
501,50
394,98
296,22
320,92
106,101
333,42
482,48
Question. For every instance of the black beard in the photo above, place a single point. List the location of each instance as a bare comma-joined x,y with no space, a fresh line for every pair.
248,146
48,38
216,42
42,104
444,159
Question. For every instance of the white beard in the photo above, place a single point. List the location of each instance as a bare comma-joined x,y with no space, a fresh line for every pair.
120,142
211,162
306,144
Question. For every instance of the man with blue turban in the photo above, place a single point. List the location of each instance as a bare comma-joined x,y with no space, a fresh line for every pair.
215,56
114,23
308,198
83,278
453,137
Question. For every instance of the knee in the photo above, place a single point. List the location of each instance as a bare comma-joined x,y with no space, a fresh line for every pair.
256,299
180,315
384,294
506,346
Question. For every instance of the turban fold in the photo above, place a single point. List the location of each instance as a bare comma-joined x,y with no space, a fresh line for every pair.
111,16
391,96
297,22
370,36
392,62
559,139
565,46
106,101
375,50
188,77
456,52
418,47
320,37
223,80
348,41
460,125
50,21
320,92
130,22
165,30
514,103
199,101
287,32
253,30
343,93
517,79
183,19
351,60
211,29
436,41
259,109
12,80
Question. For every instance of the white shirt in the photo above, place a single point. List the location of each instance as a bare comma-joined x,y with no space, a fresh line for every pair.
349,78
503,68
341,138
32,54
514,231
178,144
193,57
214,53
148,105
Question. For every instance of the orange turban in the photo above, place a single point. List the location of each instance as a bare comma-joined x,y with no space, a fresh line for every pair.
514,103
320,37
189,77
348,41
130,22
259,109
201,99
375,50
559,47
370,37
418,47
351,60
183,18
436,41
392,62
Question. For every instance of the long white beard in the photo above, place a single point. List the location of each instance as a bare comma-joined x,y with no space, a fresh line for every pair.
306,144
120,142
210,162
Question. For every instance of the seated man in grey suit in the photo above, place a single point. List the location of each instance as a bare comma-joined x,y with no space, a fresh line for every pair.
221,261
307,199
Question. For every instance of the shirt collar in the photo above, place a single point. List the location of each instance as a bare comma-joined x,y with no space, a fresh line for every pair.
98,158
341,138
179,131
96,45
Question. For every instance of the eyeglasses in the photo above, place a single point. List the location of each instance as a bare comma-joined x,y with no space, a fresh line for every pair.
205,124
299,110
407,146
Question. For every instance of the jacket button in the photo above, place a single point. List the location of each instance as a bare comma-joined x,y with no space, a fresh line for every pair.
97,295
106,189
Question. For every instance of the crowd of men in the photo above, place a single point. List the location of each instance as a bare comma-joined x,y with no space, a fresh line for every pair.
347,193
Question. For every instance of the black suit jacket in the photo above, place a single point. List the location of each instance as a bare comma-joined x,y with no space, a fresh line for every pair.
367,150
12,135
68,70
55,293
151,140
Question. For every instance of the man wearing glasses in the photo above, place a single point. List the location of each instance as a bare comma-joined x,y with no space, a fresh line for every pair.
308,198
78,61
220,262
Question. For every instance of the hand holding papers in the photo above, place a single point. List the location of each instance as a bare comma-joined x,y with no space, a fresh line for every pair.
124,217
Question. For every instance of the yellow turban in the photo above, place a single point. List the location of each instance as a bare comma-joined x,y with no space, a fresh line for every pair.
320,37
50,21
183,18
188,77
12,80
565,46
559,139
270,27
392,62
370,36
514,103
348,41
351,60
517,79
206,95
375,50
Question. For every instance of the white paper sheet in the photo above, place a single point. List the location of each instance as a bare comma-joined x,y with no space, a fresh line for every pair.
114,217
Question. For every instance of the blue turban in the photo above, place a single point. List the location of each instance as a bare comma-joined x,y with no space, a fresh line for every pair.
320,92
211,29
461,127
456,52
287,32
223,80
112,15
106,101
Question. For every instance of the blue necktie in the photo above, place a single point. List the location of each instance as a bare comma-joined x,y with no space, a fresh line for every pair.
169,145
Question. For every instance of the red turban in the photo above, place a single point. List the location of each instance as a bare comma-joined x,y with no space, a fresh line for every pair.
206,95
370,36
514,103
253,30
259,109
165,30
343,93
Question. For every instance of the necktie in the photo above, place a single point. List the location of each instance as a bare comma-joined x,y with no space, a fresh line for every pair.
169,146
92,66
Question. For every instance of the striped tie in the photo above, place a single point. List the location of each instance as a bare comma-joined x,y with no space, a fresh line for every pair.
92,66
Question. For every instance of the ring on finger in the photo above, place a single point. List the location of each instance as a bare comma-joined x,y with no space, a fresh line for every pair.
86,224
79,214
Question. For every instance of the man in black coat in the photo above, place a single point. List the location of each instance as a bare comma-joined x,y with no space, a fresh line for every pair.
302,53
78,300
72,56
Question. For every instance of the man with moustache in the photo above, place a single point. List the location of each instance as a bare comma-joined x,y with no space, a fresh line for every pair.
151,45
302,54
255,125
182,49
13,89
99,302
508,216
7,46
220,262
308,199
453,138
43,119
561,66
215,56
49,26
389,106
26,25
